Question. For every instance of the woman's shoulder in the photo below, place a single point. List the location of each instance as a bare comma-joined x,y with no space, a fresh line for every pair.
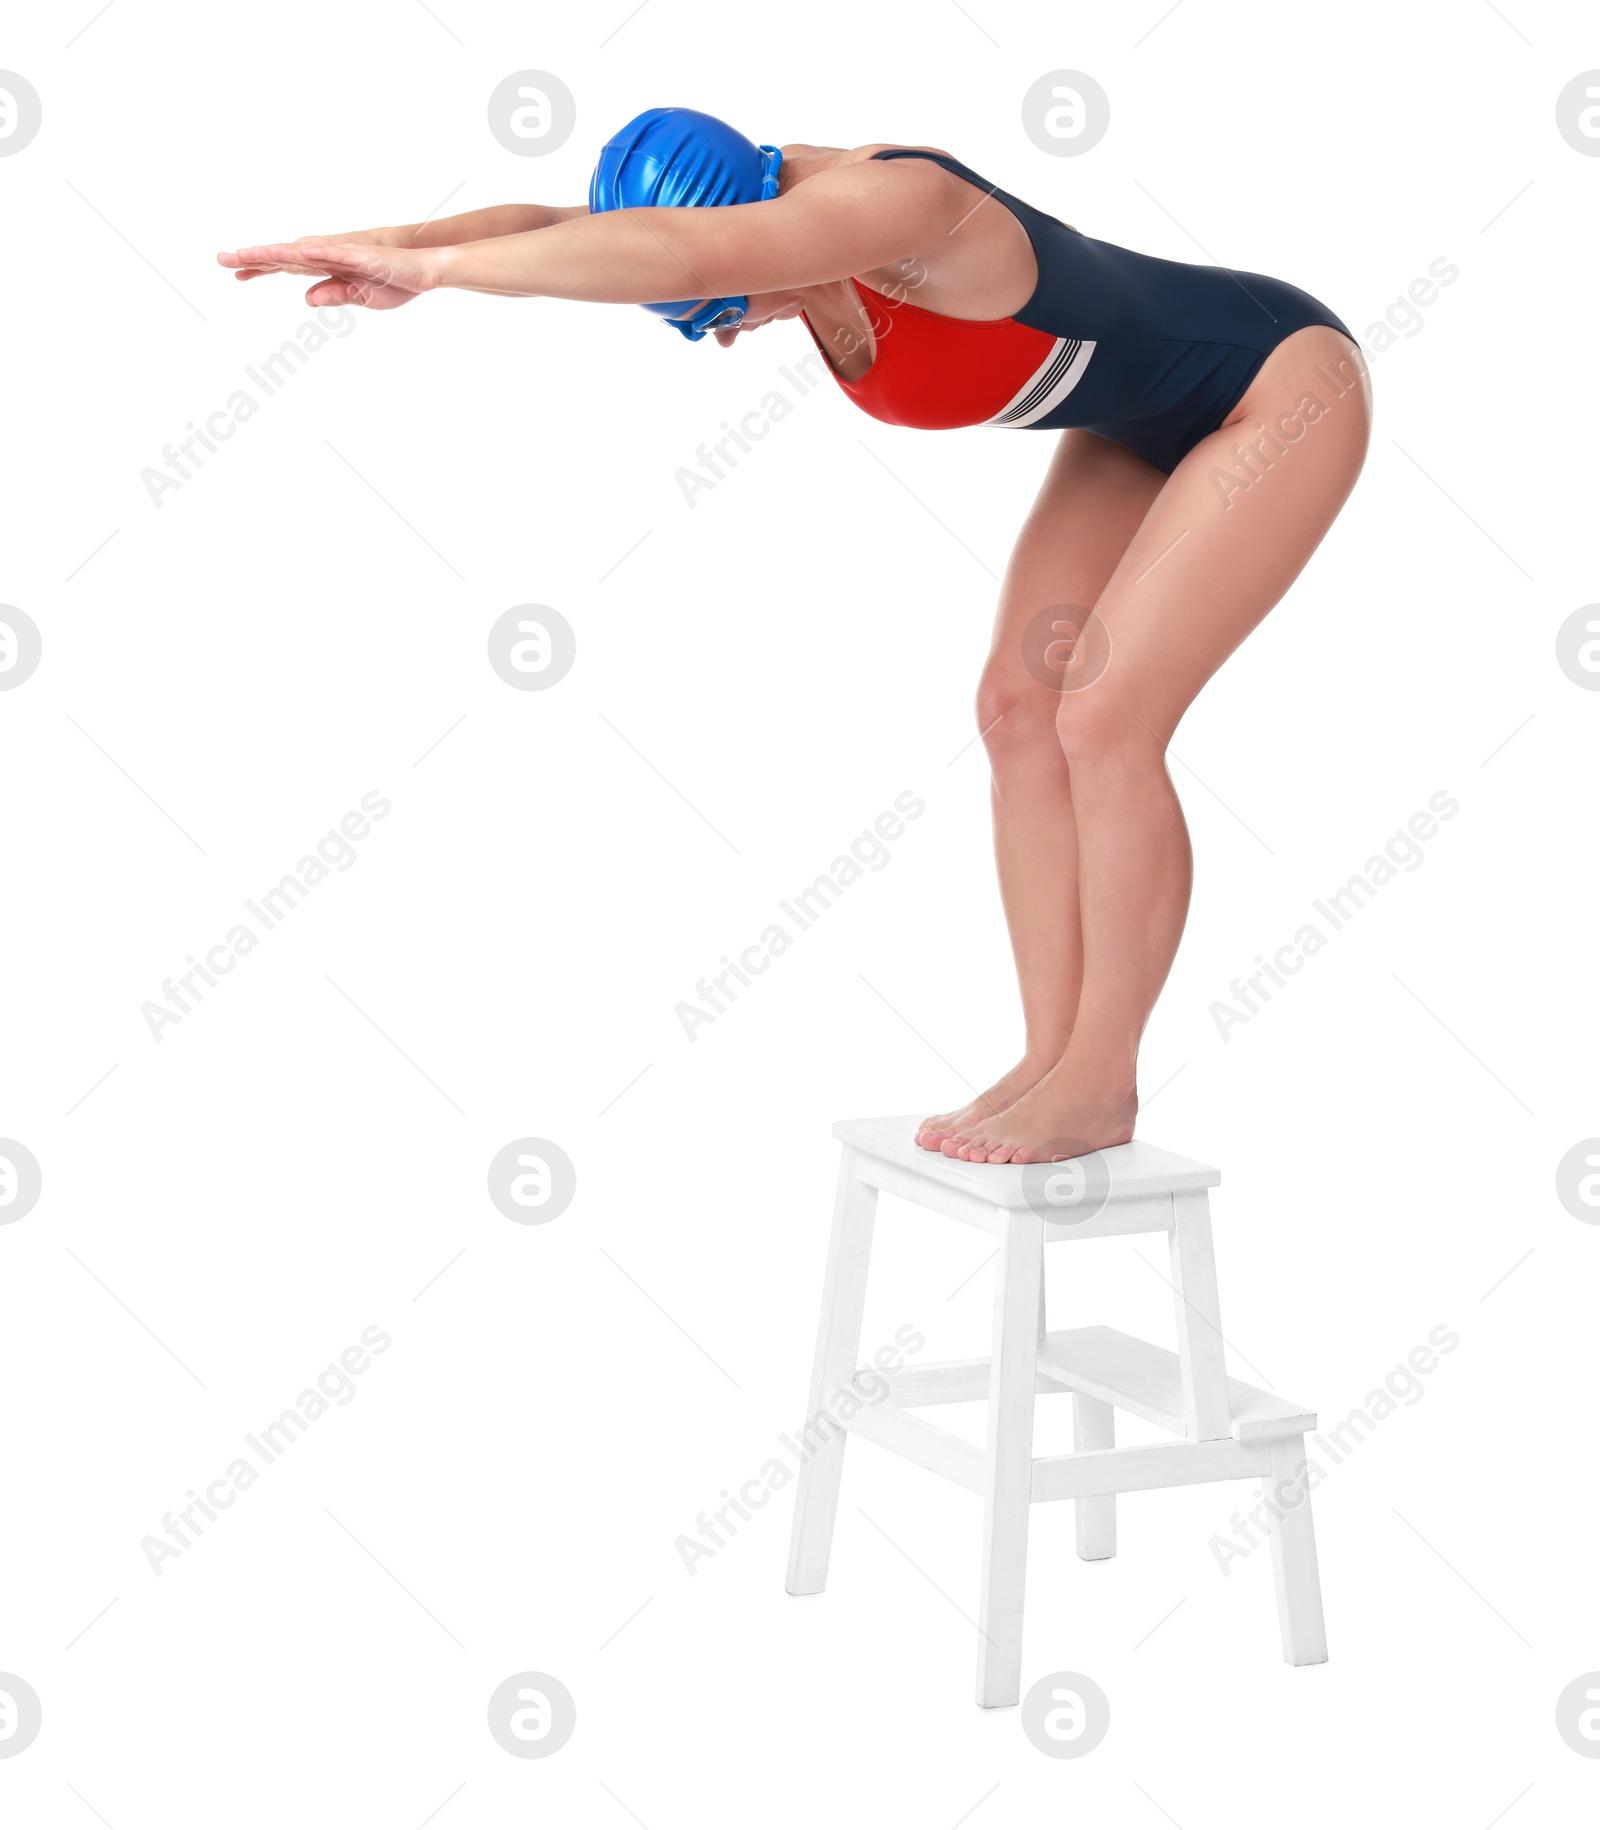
853,155
914,178
881,146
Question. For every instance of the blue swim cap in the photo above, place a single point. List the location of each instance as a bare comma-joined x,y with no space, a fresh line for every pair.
667,157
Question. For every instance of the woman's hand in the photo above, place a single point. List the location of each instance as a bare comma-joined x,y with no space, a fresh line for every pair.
348,273
404,237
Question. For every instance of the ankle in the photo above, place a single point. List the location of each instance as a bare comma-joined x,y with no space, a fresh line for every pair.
1109,1069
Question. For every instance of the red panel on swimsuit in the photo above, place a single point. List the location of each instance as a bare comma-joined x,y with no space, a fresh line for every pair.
935,372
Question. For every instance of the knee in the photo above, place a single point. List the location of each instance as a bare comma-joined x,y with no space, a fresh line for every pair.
1015,718
1098,729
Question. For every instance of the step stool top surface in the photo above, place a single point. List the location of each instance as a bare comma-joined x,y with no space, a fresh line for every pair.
1132,1169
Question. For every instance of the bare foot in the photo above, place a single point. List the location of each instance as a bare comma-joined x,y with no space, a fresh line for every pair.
1065,1114
1006,1091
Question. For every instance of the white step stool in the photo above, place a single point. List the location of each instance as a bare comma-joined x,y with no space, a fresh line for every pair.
1230,1430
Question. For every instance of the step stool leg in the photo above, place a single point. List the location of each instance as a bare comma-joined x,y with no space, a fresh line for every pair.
1294,1557
1008,1462
844,1295
1200,1360
1094,1427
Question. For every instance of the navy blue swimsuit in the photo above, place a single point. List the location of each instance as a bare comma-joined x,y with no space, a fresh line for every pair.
1152,354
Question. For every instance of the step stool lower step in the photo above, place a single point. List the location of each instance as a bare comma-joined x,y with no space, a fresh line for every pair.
1120,1370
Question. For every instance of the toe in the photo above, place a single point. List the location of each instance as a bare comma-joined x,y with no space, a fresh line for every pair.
1001,1153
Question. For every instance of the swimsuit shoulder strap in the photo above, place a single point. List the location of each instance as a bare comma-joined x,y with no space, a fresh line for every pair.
1025,211
944,159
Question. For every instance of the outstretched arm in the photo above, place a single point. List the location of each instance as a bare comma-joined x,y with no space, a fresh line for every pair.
841,222
441,232
474,225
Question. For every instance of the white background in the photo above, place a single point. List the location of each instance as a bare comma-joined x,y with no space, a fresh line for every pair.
234,1204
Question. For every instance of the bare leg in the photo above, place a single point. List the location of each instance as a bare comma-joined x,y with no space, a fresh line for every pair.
1226,537
1089,507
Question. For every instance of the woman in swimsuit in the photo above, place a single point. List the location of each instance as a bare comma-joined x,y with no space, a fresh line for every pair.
1212,424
